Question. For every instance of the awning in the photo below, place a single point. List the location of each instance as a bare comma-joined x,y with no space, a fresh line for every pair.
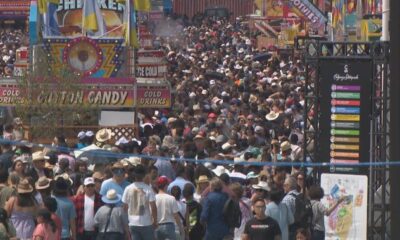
14,9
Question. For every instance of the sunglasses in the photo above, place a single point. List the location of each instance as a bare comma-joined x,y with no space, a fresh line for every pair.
118,171
90,185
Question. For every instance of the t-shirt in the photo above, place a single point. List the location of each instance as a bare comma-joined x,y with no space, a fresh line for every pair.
66,212
118,219
138,196
45,231
264,229
166,207
111,184
88,218
319,211
57,220
5,194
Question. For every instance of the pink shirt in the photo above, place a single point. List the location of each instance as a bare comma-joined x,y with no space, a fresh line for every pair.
44,231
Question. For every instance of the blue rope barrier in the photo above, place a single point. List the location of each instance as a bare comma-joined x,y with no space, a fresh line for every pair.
118,156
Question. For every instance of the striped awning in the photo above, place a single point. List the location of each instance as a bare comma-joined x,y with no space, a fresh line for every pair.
14,8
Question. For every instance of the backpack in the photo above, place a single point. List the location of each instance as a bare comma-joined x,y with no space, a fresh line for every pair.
232,213
303,213
196,229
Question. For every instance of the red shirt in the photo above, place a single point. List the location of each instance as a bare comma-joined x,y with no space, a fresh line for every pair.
57,220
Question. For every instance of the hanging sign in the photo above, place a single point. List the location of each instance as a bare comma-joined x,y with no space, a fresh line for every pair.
310,12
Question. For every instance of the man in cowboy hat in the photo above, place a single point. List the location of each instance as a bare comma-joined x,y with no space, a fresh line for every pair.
117,182
103,137
38,168
86,206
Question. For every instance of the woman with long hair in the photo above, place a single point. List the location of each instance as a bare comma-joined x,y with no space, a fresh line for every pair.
22,209
19,168
7,231
46,228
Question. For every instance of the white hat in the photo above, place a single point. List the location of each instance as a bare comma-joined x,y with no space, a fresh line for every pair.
219,170
204,92
272,116
227,146
262,185
258,129
81,134
88,181
241,50
89,133
224,94
192,95
212,82
111,197
238,67
121,141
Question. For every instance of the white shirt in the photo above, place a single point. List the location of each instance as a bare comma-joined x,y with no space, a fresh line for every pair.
138,196
166,208
88,218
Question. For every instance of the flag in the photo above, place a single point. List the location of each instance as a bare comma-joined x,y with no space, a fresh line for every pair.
142,5
130,27
89,21
49,10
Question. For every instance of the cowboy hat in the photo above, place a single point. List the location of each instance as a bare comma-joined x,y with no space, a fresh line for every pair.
219,170
103,135
203,179
111,197
24,187
39,155
262,185
42,183
272,116
285,146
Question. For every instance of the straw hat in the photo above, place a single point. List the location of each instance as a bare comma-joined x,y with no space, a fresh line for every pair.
285,146
103,135
24,187
203,179
272,116
42,183
111,197
39,155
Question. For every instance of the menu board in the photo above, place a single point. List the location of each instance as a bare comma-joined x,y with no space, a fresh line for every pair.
345,109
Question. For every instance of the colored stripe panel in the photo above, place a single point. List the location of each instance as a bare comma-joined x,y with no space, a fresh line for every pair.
335,102
344,161
346,87
345,140
352,125
341,117
345,154
345,132
345,95
351,110
345,147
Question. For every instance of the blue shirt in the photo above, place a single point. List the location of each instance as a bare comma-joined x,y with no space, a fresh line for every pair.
180,182
165,169
111,184
66,212
212,214
282,216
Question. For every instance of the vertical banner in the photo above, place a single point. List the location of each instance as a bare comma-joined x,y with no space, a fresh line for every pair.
345,108
349,220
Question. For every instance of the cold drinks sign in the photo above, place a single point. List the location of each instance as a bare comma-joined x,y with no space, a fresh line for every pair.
345,109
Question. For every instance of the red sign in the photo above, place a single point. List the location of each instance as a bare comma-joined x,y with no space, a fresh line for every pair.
156,15
153,96
151,56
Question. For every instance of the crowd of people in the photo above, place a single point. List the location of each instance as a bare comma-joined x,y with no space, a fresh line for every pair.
234,103
10,40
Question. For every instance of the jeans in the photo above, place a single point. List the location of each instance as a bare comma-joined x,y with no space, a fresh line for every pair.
86,235
142,232
166,231
318,235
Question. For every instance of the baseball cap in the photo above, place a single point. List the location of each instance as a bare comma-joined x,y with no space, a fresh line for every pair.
162,181
88,181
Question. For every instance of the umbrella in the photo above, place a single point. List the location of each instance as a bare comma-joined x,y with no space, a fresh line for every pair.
214,75
98,156
262,57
